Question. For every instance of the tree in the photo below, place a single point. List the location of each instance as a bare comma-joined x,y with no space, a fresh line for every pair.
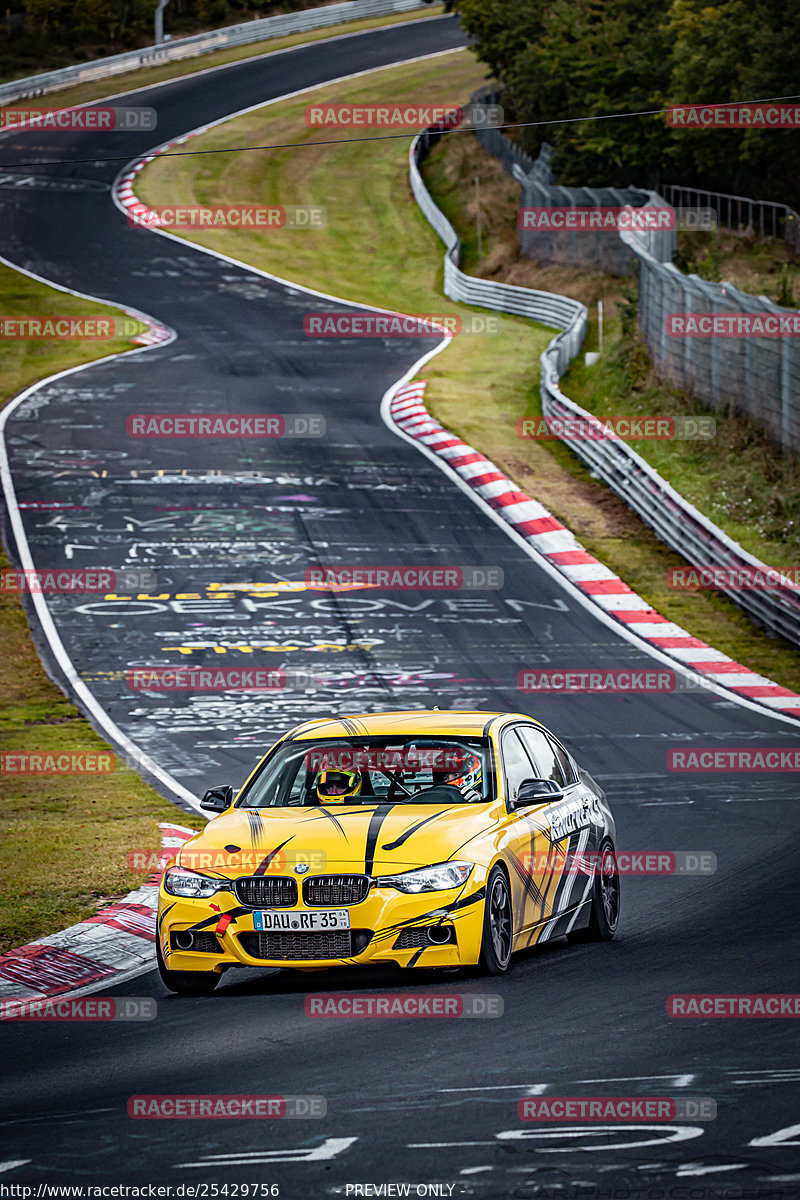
726,51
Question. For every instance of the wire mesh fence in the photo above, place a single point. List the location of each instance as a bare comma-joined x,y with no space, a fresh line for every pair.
751,364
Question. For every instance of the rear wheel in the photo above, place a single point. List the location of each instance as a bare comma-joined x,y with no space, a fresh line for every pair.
498,925
604,916
186,983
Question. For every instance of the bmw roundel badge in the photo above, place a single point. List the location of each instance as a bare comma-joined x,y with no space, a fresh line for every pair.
301,868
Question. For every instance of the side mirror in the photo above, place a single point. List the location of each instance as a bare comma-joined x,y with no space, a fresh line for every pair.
218,799
538,791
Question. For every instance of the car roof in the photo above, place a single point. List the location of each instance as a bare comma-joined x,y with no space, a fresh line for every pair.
421,722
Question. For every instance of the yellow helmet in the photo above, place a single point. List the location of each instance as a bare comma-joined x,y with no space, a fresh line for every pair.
337,786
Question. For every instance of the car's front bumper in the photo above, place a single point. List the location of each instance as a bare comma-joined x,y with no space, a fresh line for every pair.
387,927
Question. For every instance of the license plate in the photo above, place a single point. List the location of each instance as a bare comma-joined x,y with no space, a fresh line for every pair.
331,918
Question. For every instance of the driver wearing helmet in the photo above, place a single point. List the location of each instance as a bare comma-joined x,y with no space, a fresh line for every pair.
336,786
467,777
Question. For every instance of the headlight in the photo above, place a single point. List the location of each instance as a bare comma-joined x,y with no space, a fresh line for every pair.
180,882
428,879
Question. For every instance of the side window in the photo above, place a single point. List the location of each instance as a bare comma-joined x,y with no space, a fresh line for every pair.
563,758
515,762
543,753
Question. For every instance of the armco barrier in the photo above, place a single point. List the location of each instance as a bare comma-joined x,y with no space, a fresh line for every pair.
677,522
546,307
203,43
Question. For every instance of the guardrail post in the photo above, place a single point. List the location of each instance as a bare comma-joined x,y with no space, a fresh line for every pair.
159,22
786,396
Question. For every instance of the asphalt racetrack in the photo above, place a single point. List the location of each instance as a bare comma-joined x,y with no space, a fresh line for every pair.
227,526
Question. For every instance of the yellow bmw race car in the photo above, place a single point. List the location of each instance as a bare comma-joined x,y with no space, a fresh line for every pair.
432,839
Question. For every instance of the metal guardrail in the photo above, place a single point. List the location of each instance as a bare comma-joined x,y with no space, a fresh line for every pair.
547,307
674,520
203,43
765,213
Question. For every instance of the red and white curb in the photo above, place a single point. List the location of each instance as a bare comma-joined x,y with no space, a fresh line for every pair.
140,214
137,212
154,335
102,949
560,547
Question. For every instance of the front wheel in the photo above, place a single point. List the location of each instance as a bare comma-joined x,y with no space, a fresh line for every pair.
186,983
498,925
604,916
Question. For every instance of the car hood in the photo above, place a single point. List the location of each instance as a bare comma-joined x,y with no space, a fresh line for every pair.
373,839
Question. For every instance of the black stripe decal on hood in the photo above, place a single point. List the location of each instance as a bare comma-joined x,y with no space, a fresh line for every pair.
254,823
405,836
323,812
262,866
376,820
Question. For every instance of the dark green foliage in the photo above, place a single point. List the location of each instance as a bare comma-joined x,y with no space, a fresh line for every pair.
591,58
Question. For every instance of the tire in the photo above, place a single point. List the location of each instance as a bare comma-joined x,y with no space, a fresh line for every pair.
604,916
498,925
186,983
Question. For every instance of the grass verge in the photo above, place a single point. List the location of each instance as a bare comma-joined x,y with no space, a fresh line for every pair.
377,248
65,839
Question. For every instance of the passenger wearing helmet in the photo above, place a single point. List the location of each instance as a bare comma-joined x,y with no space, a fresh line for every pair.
467,777
335,786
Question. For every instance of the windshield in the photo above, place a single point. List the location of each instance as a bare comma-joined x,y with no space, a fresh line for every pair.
368,771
